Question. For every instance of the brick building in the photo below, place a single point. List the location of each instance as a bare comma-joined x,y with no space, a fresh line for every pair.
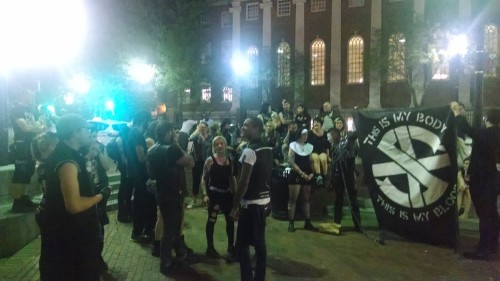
316,50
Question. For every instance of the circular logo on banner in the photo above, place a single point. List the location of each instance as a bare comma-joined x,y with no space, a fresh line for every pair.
409,166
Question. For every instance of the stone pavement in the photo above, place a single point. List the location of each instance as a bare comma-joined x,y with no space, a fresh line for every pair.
301,255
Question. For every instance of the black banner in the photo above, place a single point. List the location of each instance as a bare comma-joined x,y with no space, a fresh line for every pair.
409,159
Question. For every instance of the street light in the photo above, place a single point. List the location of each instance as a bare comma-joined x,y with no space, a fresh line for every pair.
40,33
141,71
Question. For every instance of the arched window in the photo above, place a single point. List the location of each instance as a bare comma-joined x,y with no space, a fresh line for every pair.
206,92
355,60
396,71
491,48
318,62
227,94
283,65
253,58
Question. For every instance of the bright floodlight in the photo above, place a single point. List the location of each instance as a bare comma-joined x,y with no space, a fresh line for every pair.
51,108
240,64
79,84
35,33
141,72
110,105
458,45
69,99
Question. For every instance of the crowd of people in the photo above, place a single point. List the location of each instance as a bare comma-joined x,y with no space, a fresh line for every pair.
231,165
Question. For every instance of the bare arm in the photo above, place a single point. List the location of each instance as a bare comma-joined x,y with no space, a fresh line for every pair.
241,188
141,154
25,127
206,175
74,203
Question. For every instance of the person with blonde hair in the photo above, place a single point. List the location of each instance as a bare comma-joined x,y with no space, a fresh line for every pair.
218,184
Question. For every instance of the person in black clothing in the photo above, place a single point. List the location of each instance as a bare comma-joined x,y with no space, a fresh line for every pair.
300,179
126,188
218,185
97,165
321,150
250,200
302,117
25,129
202,142
343,173
166,163
71,229
265,113
484,176
144,213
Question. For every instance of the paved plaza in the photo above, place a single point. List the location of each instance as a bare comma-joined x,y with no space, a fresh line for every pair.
302,255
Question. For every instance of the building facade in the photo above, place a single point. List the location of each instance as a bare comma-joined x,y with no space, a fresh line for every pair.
350,52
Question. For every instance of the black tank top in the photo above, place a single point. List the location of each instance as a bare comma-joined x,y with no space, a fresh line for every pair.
220,174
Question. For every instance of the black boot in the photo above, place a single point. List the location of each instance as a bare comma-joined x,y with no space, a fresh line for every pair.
291,227
156,248
183,244
308,226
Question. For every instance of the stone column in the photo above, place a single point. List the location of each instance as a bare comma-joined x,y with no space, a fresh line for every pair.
465,77
418,73
266,6
299,50
336,53
376,24
236,11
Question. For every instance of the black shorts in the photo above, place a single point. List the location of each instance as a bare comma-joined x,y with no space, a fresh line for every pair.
295,178
23,171
223,200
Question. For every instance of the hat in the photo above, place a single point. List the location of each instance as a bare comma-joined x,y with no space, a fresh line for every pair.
70,123
304,131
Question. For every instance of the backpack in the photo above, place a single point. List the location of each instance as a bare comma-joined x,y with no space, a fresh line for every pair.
113,150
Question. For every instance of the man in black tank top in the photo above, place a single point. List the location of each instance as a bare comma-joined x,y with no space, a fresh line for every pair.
252,195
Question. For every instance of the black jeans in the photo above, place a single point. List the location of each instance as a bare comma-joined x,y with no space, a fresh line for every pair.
197,172
125,193
69,251
343,179
171,212
484,197
251,231
144,215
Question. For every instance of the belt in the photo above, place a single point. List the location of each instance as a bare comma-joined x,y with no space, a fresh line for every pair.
220,190
262,202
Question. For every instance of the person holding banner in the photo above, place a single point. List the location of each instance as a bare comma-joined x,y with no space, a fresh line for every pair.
343,172
485,157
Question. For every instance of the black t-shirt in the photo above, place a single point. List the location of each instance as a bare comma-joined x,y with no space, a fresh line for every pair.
22,112
168,174
136,168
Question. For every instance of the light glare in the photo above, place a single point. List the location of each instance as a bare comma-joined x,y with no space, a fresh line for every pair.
40,33
458,45
141,72
240,65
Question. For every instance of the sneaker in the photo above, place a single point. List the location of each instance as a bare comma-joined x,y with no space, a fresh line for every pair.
212,253
191,205
319,180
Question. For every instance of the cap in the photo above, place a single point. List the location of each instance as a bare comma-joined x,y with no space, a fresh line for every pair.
304,131
70,123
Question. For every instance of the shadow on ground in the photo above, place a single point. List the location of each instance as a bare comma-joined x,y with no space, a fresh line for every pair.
285,267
